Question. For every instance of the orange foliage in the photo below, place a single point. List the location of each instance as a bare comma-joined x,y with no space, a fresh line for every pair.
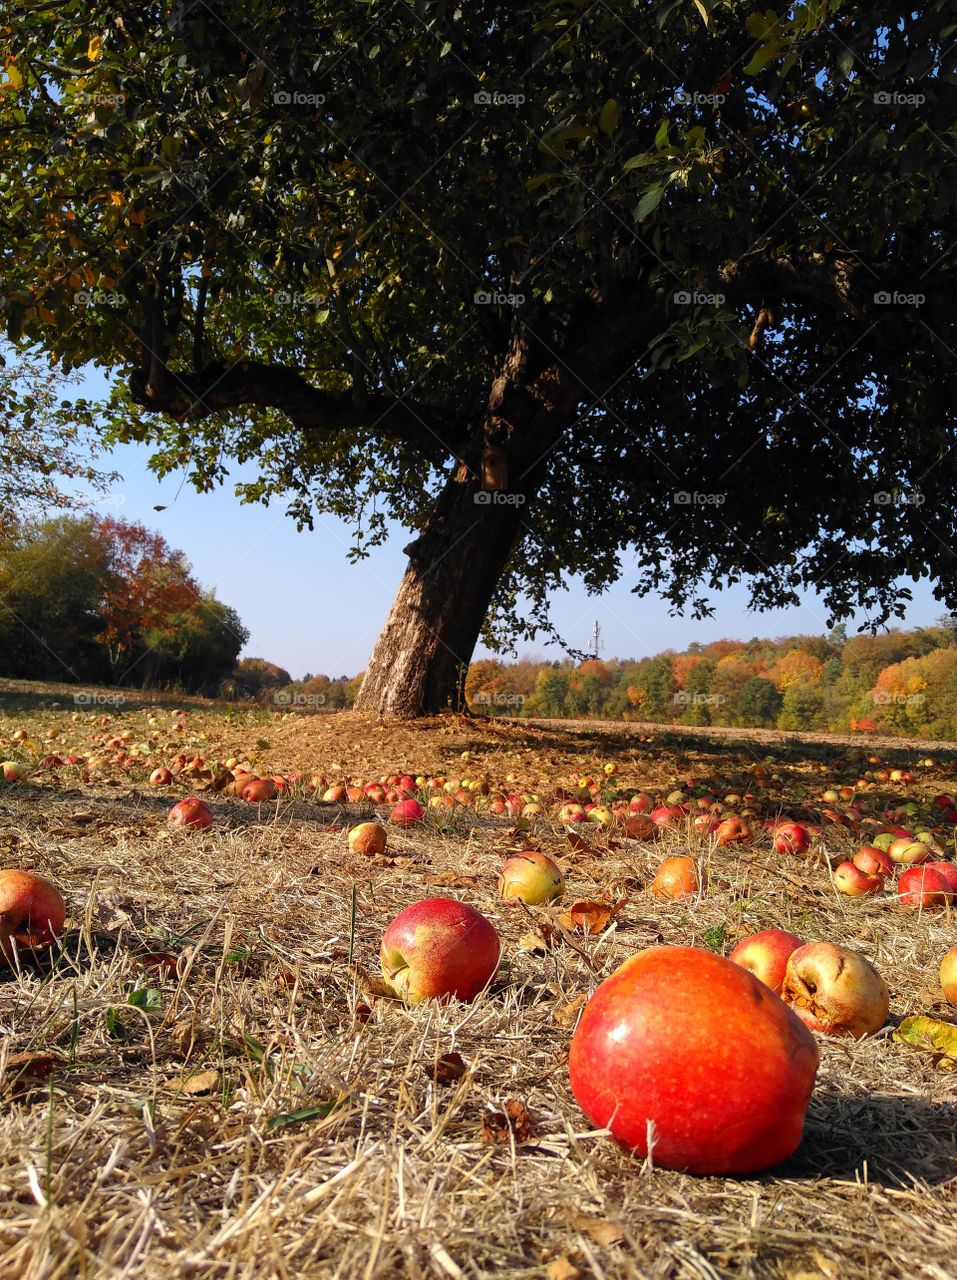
683,664
794,666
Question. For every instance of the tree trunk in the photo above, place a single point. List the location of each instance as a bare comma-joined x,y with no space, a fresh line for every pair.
421,658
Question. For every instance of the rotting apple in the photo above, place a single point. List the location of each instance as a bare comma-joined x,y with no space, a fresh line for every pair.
873,861
531,877
835,990
923,887
851,880
439,947
686,1052
32,912
368,838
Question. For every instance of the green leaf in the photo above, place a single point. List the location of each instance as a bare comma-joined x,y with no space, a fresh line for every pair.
147,998
661,137
649,202
703,10
608,120
762,57
639,162
929,1034
116,1029
318,1112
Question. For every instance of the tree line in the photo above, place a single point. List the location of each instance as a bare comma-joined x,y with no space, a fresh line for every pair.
99,600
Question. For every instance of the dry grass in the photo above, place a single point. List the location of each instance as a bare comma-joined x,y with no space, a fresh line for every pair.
153,1149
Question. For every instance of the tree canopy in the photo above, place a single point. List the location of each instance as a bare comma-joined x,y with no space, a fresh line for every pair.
669,287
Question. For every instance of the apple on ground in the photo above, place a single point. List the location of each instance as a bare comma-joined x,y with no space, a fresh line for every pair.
161,777
602,816
32,912
367,838
678,877
850,879
12,771
948,870
570,812
766,955
835,991
948,975
924,887
532,878
873,861
791,837
191,812
407,813
258,791
733,830
439,947
686,1051
908,853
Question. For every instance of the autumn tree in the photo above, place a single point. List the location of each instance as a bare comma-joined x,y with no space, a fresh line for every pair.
796,664
147,584
516,278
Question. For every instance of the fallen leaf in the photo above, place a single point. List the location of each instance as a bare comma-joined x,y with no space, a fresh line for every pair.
370,984
561,1269
591,917
318,1112
362,1014
200,1082
598,1229
24,1072
579,842
501,1124
566,1015
929,1034
541,940
446,1069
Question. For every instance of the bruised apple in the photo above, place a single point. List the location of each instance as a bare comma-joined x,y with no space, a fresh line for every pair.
835,990
791,837
766,955
32,912
367,838
850,879
924,887
873,861
406,813
191,812
531,877
439,947
684,1049
678,877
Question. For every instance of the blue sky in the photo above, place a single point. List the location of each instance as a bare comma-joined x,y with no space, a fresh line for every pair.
308,609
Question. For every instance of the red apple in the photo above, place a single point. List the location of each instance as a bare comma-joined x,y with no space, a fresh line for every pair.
406,813
569,812
368,838
439,947
873,861
948,975
908,852
640,803
191,812
948,870
531,877
766,955
678,878
924,887
668,815
850,879
791,837
258,791
161,777
11,771
686,1051
32,912
835,990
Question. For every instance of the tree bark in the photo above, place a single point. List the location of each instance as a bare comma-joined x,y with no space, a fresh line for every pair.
421,658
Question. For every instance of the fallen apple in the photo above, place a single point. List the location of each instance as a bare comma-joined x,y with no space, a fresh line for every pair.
948,975
406,813
678,877
532,878
32,912
439,947
191,812
161,777
791,837
687,1053
924,887
873,861
258,791
11,771
835,991
850,879
368,838
766,955
908,853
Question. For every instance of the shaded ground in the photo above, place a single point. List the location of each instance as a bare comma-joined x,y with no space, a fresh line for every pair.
275,1115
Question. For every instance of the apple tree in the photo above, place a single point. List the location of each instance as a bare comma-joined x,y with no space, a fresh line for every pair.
662,289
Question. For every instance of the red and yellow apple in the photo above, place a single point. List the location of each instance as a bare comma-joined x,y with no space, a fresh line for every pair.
686,1052
791,837
948,975
766,955
532,878
678,877
850,879
32,912
368,838
191,812
439,947
873,861
924,887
